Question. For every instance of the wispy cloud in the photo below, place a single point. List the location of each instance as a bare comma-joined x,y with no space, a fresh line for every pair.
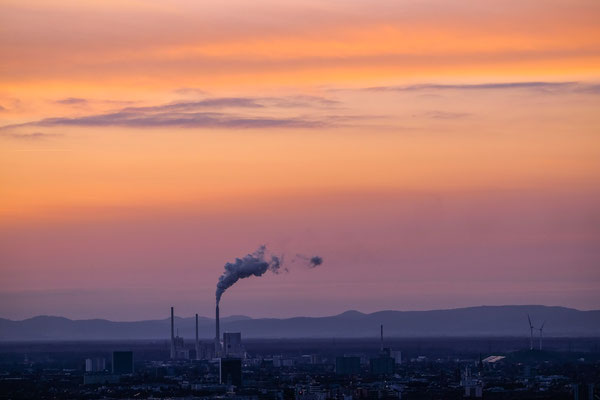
220,102
30,136
435,114
73,101
83,102
174,119
295,101
591,89
224,112
478,86
303,101
186,91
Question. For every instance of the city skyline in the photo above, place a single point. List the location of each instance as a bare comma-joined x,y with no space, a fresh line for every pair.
436,154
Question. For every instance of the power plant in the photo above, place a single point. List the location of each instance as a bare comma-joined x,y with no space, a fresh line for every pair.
229,346
385,362
178,350
254,264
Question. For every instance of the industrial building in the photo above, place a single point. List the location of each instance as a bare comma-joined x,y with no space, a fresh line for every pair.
232,345
178,349
384,364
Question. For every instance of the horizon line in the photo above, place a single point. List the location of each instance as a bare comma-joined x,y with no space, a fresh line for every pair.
298,316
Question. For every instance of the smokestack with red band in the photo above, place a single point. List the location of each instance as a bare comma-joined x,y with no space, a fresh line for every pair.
172,334
217,333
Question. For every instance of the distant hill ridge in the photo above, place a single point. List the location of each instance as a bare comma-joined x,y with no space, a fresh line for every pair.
470,321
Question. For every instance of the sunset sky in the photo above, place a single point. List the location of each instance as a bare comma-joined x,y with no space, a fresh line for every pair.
435,153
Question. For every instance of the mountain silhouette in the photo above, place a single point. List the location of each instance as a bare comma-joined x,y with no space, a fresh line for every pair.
471,321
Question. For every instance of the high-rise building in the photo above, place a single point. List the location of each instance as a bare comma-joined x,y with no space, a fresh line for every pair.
97,364
473,386
122,362
397,356
232,344
583,391
230,371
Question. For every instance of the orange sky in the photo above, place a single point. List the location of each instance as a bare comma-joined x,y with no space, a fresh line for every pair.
113,112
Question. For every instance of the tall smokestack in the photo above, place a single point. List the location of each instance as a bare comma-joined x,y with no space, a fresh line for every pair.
172,334
217,333
197,342
382,338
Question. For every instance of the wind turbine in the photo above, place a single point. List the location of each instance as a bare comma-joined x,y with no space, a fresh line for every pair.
531,328
542,334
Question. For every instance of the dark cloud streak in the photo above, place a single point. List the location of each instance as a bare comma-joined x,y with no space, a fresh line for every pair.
30,136
202,114
73,101
479,86
181,120
223,102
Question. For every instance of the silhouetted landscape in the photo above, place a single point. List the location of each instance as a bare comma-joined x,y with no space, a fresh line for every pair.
472,321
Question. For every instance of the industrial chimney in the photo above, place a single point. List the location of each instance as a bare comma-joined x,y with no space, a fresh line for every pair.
217,333
172,335
381,338
197,342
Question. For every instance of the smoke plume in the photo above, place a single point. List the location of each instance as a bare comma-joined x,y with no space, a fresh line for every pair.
256,264
315,261
310,262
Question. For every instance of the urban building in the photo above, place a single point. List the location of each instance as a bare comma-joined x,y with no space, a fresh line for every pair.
122,362
473,386
230,371
382,365
397,356
100,379
347,365
232,344
97,364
